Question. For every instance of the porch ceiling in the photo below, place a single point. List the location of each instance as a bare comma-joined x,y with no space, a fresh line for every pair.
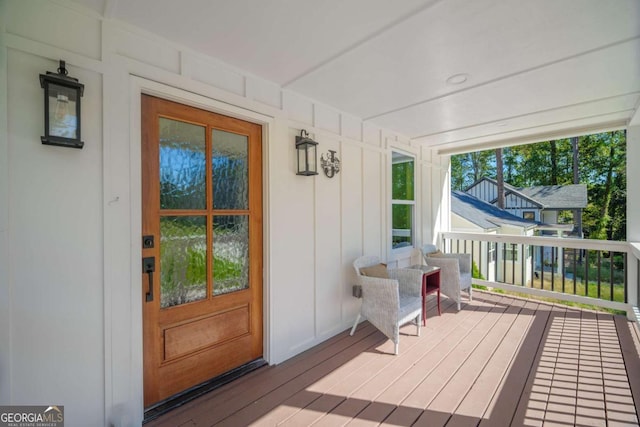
535,69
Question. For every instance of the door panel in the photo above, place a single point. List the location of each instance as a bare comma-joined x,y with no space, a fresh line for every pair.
202,204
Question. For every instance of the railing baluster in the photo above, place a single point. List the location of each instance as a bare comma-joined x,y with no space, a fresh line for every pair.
533,268
563,268
611,266
504,263
513,263
575,269
480,265
541,267
522,264
553,267
599,270
586,272
495,263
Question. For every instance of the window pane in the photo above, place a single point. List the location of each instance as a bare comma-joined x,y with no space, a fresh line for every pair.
230,253
183,259
230,170
182,165
402,219
402,177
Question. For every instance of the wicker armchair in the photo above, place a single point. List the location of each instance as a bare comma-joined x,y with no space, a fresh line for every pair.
455,270
389,303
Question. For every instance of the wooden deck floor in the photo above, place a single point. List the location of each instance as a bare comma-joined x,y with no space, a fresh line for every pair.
499,361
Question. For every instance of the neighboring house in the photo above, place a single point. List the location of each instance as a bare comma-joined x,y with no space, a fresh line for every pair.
505,263
539,203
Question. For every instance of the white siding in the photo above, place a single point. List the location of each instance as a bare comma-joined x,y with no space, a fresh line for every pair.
514,203
70,299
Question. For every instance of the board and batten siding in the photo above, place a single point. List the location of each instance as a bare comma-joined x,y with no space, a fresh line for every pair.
514,203
70,276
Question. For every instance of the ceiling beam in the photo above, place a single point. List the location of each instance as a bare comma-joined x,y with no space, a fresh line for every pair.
458,148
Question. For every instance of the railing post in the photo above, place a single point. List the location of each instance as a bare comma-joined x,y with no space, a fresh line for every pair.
632,283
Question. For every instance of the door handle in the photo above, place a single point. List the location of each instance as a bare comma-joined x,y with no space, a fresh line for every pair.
148,267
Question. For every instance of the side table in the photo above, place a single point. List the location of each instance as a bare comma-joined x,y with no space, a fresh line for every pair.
430,284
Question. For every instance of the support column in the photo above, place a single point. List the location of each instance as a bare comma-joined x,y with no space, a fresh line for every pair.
633,209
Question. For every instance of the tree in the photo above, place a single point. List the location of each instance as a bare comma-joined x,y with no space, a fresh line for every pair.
603,168
457,173
553,157
601,164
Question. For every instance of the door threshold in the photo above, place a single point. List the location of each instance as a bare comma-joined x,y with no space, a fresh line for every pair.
177,400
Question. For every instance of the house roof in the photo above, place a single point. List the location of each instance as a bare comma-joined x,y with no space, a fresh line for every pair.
570,196
483,214
558,196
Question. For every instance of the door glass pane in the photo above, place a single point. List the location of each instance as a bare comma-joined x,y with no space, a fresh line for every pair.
230,170
182,165
183,259
230,253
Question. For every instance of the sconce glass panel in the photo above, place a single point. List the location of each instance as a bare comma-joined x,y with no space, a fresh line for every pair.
63,111
307,156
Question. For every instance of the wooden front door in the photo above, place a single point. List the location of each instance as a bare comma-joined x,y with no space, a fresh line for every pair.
202,246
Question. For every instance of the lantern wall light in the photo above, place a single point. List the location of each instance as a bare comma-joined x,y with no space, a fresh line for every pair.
307,150
61,108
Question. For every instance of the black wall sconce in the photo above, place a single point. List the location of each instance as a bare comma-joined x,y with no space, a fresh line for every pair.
61,108
307,154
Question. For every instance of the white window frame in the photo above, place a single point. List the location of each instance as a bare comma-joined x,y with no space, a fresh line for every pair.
411,203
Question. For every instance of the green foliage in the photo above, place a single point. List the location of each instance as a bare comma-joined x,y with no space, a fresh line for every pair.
402,180
475,271
590,289
556,301
470,167
183,263
401,216
601,165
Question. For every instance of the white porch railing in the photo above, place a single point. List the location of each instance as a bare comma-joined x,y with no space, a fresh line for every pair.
597,272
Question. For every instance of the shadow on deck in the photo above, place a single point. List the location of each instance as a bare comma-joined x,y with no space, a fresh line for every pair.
499,361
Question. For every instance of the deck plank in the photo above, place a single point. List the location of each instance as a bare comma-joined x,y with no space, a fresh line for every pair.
533,401
502,407
229,399
260,407
352,406
309,396
344,380
452,358
500,361
476,401
629,340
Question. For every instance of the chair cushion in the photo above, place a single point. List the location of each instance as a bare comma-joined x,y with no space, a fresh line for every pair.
436,254
427,249
378,270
